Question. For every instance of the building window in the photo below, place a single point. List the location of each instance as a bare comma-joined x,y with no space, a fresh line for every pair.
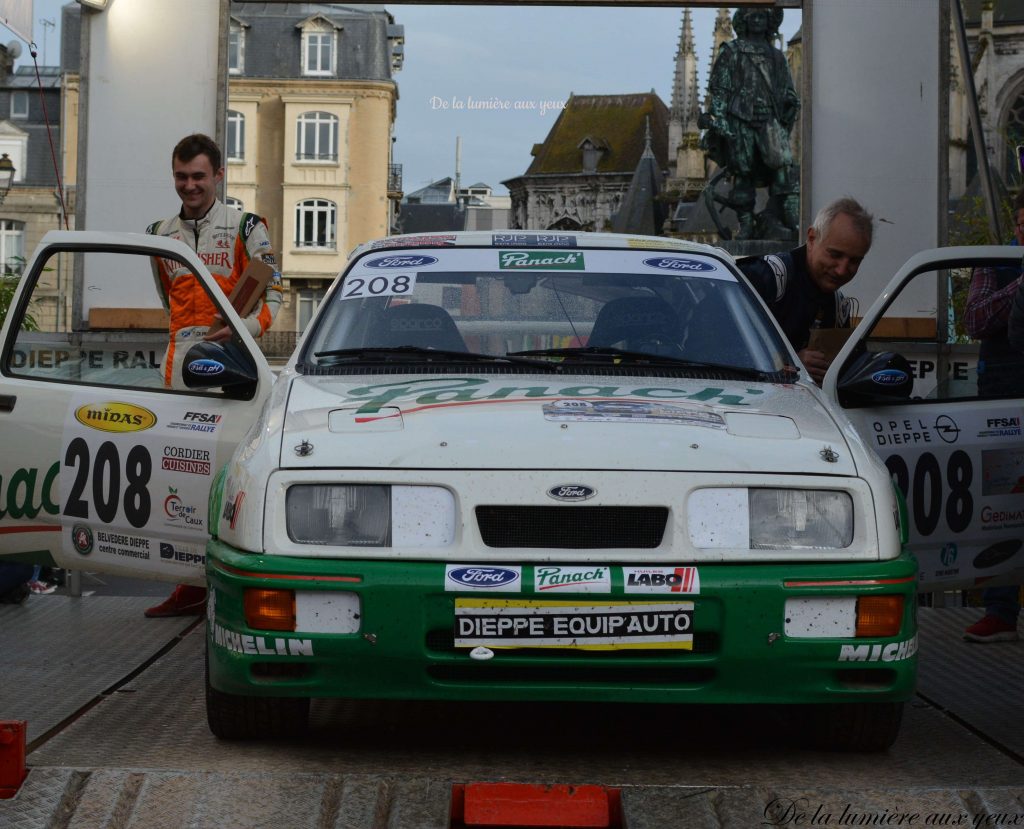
19,105
236,48
16,147
318,43
1014,135
308,302
236,136
231,201
316,137
315,221
12,247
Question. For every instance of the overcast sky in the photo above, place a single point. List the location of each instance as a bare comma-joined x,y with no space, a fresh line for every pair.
497,75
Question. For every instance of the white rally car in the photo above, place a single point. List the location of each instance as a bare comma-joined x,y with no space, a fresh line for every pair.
514,465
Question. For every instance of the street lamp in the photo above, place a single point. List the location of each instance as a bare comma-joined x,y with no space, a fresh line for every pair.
6,176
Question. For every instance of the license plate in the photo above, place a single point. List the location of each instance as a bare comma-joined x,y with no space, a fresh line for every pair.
501,623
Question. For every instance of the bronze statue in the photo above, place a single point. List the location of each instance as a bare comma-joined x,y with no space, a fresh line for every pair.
752,109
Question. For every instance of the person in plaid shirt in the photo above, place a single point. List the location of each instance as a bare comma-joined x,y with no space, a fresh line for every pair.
1000,374
986,318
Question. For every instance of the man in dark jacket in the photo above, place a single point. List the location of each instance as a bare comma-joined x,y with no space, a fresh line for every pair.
802,286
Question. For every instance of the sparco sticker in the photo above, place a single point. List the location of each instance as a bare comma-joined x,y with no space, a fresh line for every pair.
463,577
660,580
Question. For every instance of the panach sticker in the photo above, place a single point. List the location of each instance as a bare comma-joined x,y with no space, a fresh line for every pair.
572,579
115,417
540,260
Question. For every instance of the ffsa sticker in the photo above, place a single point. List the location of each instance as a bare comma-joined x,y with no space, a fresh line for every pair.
378,284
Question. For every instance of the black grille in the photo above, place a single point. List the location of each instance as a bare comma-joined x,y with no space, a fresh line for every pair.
572,528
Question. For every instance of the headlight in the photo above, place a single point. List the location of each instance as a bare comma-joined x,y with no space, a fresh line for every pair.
770,519
346,516
370,515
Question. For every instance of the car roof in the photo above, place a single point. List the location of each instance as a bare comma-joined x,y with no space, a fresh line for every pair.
538,239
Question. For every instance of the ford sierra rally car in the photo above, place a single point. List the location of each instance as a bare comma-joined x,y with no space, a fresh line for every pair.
498,466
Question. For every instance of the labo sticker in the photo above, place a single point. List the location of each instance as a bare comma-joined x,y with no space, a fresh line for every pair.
660,580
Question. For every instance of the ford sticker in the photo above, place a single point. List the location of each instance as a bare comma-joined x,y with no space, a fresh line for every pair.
678,263
482,577
399,261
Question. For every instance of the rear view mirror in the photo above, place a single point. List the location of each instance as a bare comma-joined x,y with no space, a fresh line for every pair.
871,379
209,365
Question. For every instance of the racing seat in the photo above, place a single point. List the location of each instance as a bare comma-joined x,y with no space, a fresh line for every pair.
643,323
421,325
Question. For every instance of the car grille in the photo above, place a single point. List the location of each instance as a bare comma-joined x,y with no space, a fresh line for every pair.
572,528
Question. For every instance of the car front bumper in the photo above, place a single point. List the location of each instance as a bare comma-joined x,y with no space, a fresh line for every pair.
400,638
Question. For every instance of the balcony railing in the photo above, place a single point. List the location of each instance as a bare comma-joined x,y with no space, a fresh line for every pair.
395,179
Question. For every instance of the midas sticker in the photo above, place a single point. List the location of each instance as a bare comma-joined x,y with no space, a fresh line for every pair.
115,417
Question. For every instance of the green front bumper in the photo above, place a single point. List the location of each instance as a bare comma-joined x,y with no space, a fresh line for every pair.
404,645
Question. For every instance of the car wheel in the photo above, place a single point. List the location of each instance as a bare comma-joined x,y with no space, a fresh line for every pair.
236,717
854,726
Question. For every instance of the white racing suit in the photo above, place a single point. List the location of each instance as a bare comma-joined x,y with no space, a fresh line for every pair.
225,240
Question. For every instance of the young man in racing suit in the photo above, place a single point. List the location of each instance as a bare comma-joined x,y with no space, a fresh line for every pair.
226,240
802,287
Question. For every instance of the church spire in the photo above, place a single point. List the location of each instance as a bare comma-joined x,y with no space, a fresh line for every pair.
684,107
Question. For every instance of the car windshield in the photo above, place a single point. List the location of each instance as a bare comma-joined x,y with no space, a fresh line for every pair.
554,308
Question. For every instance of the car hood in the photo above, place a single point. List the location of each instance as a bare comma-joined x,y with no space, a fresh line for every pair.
517,421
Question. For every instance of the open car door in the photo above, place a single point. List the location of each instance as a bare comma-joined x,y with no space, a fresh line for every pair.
107,463
946,423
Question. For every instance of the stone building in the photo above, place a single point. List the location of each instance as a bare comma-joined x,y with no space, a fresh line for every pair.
581,172
308,135
32,206
311,110
995,35
445,206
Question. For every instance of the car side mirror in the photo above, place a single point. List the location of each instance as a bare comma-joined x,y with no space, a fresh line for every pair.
870,379
210,365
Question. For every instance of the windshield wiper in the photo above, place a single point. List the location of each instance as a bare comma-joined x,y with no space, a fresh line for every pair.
605,354
419,354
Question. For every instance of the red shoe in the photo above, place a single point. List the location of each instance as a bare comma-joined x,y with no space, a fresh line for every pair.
186,600
991,629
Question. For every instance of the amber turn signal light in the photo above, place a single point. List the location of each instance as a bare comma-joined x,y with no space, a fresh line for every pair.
269,609
879,616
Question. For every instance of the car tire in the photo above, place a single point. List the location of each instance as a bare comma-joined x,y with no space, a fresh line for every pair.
237,717
854,726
